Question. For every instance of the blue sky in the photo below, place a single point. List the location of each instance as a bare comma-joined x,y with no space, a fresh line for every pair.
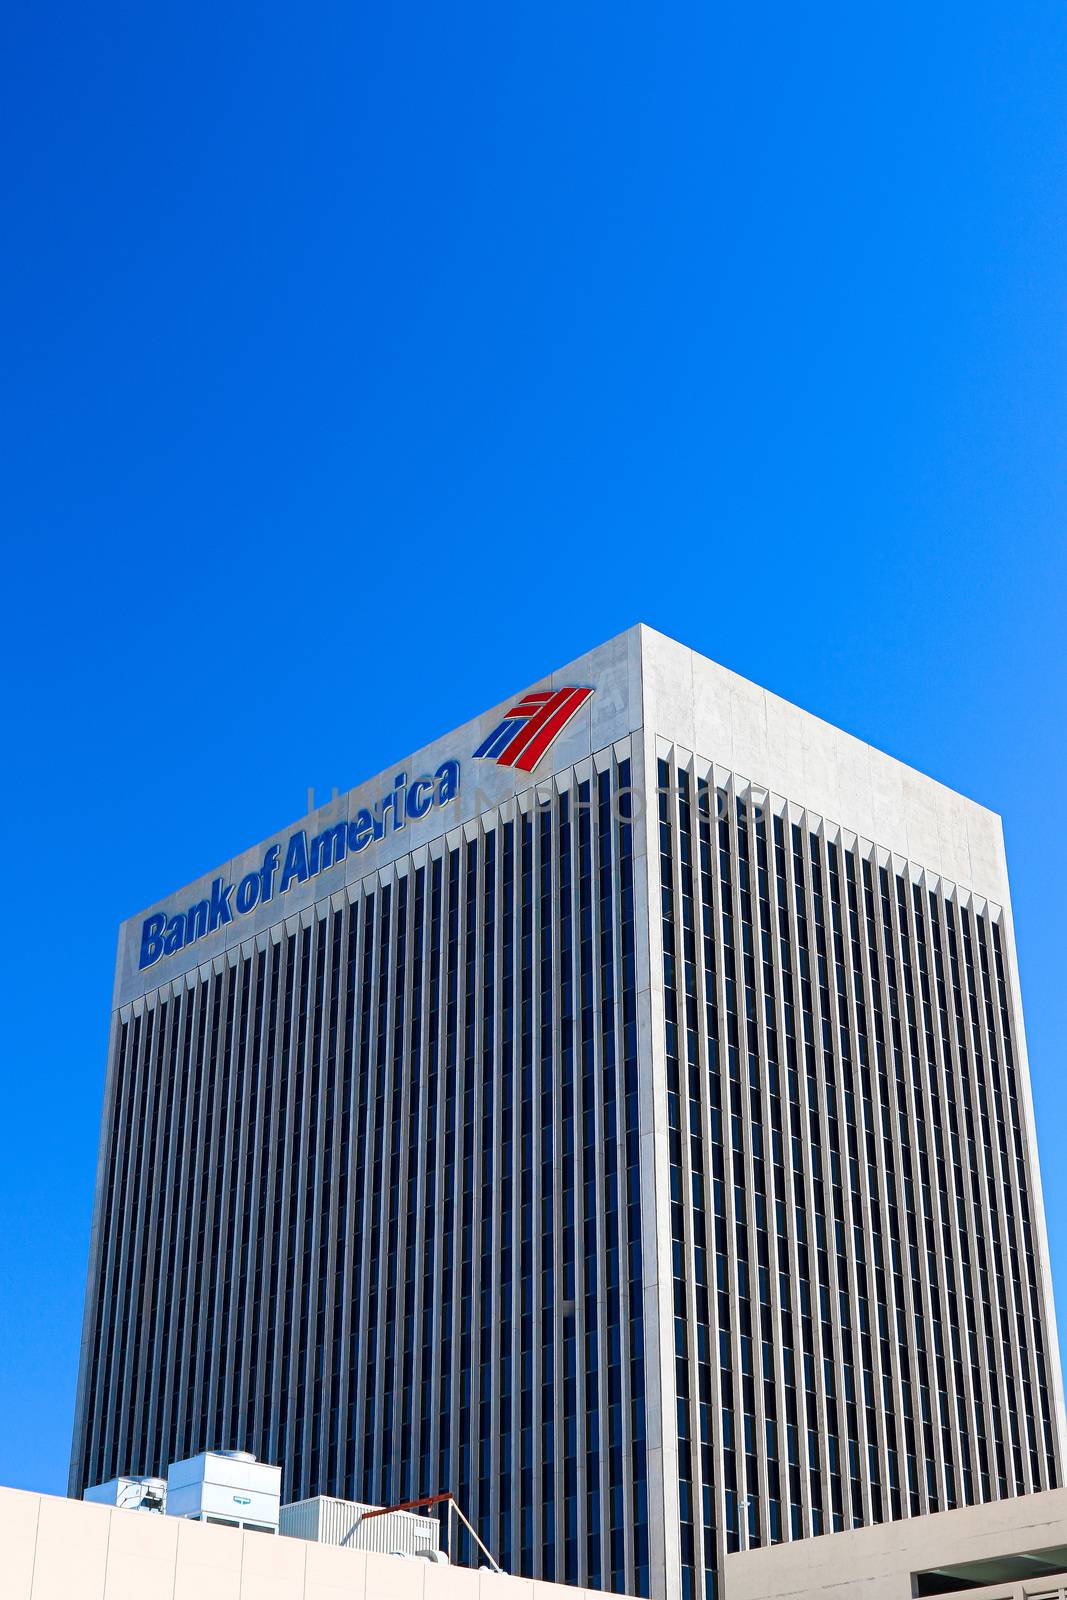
362,365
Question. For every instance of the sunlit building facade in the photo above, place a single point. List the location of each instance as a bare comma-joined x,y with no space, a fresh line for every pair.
617,1114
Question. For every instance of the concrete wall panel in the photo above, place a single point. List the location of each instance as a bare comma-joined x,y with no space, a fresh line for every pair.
18,1536
71,1550
208,1563
141,1557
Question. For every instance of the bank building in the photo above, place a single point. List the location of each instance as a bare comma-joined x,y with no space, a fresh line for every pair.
616,1114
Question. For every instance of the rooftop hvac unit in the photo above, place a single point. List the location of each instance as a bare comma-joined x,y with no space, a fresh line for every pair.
226,1486
130,1494
325,1520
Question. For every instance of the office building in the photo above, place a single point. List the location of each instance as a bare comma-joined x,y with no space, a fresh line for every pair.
616,1113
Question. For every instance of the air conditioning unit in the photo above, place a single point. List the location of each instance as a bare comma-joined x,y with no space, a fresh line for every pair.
225,1486
325,1520
130,1494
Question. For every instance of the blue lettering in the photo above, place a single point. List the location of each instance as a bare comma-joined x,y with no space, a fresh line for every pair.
267,871
196,919
381,812
165,936
221,911
247,897
420,798
296,861
447,776
328,848
360,831
152,939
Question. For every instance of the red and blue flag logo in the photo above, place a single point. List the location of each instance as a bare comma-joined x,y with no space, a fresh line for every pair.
531,727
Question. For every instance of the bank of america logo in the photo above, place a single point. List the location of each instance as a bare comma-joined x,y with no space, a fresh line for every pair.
531,727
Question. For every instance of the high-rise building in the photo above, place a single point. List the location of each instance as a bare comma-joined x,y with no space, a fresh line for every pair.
616,1113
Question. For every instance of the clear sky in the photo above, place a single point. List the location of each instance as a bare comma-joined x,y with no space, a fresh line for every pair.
363,363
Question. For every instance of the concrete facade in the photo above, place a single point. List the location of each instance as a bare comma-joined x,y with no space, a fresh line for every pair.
705,726
702,1209
885,1563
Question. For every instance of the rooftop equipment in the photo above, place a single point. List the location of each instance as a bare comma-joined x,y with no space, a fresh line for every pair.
130,1494
225,1486
448,1502
325,1520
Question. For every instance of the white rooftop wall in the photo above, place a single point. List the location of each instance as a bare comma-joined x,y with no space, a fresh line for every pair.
52,1549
